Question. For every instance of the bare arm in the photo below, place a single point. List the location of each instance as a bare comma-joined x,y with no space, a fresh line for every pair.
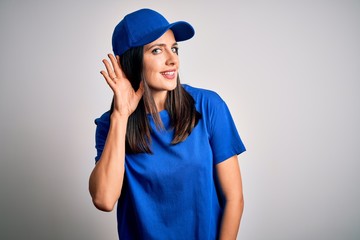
229,177
106,179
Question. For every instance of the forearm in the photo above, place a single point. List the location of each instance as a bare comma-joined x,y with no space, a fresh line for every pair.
231,219
106,179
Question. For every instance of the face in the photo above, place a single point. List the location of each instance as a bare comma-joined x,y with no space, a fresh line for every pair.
161,65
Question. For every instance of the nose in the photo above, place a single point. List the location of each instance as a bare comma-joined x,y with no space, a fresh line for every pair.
171,58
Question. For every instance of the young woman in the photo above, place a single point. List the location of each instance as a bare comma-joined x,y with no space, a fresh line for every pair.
166,152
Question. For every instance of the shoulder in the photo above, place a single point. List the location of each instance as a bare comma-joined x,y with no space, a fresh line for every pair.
104,120
201,95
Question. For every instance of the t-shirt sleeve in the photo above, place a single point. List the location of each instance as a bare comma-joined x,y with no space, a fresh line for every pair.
224,138
102,129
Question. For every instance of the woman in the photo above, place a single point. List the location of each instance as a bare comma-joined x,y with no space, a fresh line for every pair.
167,153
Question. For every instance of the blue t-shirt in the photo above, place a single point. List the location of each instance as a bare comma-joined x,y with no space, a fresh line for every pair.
172,193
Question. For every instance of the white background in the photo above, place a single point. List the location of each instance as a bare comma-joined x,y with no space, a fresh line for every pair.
289,71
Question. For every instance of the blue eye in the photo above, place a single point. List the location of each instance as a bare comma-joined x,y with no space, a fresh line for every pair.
156,51
175,50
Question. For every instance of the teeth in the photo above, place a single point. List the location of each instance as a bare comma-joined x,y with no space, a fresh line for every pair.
169,73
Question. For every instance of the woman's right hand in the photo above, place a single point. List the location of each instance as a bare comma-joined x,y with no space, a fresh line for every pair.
125,97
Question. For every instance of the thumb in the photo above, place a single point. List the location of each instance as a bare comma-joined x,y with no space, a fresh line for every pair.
139,93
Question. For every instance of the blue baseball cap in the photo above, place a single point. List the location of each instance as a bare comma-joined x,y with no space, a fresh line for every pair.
145,26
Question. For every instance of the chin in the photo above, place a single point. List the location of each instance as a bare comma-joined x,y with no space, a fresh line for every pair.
172,87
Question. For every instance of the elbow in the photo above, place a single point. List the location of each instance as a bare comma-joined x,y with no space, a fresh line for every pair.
103,204
102,200
241,203
236,200
240,200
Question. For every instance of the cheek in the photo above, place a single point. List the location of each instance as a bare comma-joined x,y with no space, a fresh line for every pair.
150,76
152,69
149,72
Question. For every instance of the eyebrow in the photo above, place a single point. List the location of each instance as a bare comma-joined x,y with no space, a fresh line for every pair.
160,45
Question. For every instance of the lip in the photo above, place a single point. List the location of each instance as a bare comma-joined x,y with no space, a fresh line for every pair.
169,74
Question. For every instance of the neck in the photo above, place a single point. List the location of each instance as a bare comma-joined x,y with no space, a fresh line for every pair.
160,99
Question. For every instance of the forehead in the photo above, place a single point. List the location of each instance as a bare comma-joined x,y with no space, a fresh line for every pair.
167,38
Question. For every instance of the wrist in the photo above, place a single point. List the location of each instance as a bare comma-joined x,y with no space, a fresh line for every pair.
116,116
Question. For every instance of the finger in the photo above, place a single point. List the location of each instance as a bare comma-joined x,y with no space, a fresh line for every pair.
139,93
118,60
119,64
109,69
109,81
116,65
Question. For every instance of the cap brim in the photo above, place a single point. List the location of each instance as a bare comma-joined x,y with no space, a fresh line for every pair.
182,31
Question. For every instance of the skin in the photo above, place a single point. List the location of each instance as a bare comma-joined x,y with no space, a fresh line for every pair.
106,179
161,64
229,177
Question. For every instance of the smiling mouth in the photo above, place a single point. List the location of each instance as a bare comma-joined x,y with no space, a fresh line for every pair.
168,73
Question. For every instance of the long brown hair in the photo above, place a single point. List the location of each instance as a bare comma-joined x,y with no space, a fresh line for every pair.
179,104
